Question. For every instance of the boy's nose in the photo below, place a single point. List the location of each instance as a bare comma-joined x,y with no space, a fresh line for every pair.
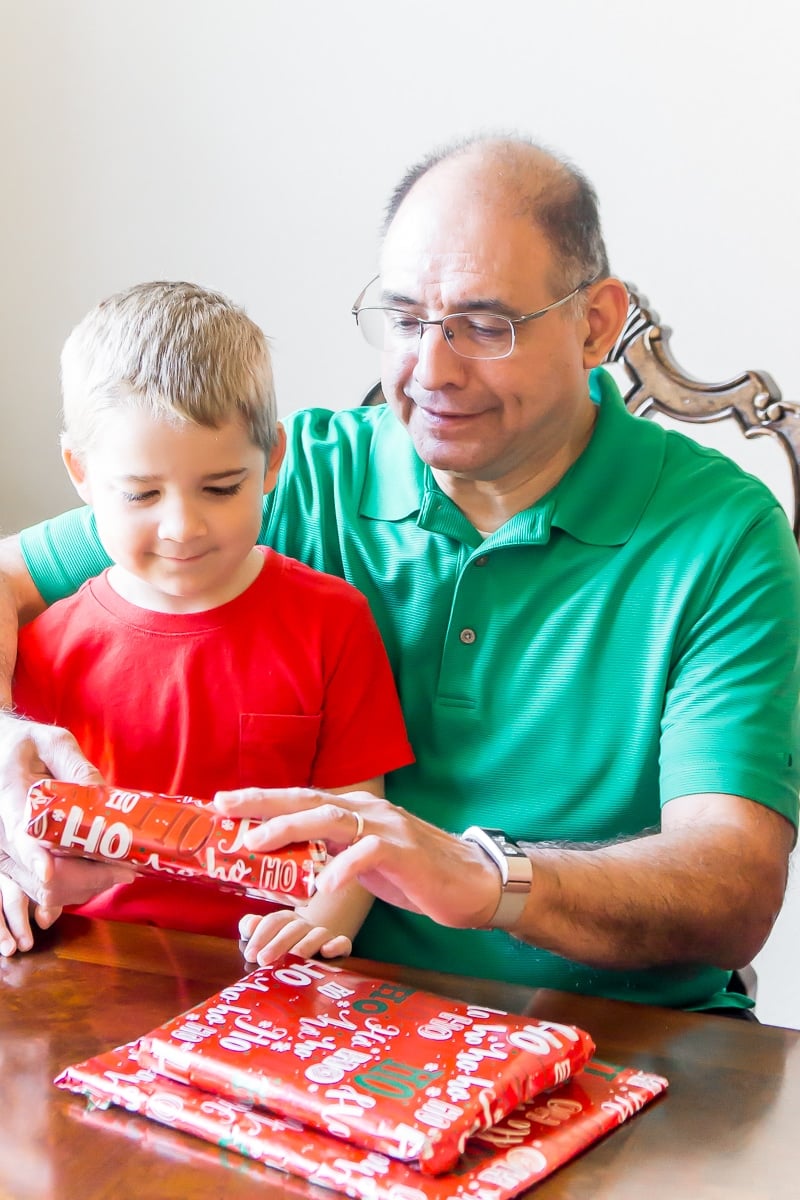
180,522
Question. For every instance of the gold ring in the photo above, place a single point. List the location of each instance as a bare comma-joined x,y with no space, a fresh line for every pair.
359,827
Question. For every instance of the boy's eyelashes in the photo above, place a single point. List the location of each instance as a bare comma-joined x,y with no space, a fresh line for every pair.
231,489
137,497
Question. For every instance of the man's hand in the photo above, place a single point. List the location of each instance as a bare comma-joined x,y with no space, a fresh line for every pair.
28,752
705,888
398,857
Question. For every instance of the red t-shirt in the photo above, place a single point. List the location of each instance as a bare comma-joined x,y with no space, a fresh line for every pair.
286,685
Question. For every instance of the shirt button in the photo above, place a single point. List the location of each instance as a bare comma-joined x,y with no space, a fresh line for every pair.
468,636
482,561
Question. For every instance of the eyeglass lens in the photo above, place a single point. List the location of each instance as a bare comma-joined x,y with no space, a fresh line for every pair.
471,335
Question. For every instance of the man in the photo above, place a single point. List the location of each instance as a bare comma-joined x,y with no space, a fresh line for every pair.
592,622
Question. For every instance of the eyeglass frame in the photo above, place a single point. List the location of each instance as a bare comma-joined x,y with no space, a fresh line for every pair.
422,322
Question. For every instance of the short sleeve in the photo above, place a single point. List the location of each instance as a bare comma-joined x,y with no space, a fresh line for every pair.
63,553
731,719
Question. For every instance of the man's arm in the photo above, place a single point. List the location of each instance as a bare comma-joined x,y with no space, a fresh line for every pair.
705,889
20,602
29,751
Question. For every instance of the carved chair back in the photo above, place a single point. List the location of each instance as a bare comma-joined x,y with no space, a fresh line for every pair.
752,401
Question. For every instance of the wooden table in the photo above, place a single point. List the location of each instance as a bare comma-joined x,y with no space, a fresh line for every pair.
728,1127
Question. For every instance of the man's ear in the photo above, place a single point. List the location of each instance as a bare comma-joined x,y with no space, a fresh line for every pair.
275,459
605,315
76,469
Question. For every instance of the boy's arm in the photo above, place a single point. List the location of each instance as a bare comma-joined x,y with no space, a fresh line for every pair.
326,925
340,916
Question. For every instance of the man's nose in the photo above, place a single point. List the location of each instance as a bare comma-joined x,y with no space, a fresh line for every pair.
437,363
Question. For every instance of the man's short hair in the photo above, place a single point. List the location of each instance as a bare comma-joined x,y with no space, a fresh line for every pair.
176,350
550,190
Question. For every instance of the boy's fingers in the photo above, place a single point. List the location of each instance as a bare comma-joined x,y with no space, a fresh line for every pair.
310,942
295,936
247,925
8,944
337,947
15,925
45,916
269,936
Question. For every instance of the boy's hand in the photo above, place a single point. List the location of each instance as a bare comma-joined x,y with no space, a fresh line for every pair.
271,936
16,932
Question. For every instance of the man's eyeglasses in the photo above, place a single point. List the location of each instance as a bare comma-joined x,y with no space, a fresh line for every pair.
470,335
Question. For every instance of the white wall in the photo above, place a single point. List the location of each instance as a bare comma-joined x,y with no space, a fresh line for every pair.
250,146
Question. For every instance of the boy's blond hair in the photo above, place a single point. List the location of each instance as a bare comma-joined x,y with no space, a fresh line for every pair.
176,350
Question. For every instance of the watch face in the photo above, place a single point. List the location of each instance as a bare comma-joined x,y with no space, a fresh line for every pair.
516,873
509,848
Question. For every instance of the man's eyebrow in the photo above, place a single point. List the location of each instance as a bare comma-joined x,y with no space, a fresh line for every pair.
489,304
392,298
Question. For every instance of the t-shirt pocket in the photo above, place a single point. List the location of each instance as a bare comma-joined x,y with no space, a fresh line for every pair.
277,749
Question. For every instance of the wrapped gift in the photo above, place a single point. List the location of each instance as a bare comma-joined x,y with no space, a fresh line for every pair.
535,1139
169,835
397,1071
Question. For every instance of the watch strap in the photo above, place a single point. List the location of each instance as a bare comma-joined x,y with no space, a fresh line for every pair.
516,873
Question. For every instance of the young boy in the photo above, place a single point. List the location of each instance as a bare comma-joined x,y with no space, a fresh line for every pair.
199,661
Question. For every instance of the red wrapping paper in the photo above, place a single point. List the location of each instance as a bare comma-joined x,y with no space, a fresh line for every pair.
401,1072
169,835
530,1143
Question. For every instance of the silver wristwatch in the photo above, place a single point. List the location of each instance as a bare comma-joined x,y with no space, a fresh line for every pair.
516,873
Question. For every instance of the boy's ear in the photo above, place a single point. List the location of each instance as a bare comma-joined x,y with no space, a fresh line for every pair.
275,460
76,469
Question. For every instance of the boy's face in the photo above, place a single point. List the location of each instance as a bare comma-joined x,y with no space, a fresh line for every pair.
178,507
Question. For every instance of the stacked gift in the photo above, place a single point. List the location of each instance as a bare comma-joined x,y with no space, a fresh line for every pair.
172,835
370,1087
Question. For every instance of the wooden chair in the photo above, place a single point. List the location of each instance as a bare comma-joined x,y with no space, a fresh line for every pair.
751,401
655,387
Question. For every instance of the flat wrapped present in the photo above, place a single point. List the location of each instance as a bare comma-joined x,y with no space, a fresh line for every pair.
394,1070
169,835
526,1146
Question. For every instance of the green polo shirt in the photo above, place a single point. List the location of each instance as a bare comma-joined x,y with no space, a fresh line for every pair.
630,638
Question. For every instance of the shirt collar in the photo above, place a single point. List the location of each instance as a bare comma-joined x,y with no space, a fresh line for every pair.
397,478
602,496
590,502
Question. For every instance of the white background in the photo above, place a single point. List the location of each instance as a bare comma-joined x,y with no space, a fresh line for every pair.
250,146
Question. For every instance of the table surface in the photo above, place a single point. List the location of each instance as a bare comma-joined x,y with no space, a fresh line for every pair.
729,1125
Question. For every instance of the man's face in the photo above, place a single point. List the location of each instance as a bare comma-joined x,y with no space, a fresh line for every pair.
178,506
450,246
